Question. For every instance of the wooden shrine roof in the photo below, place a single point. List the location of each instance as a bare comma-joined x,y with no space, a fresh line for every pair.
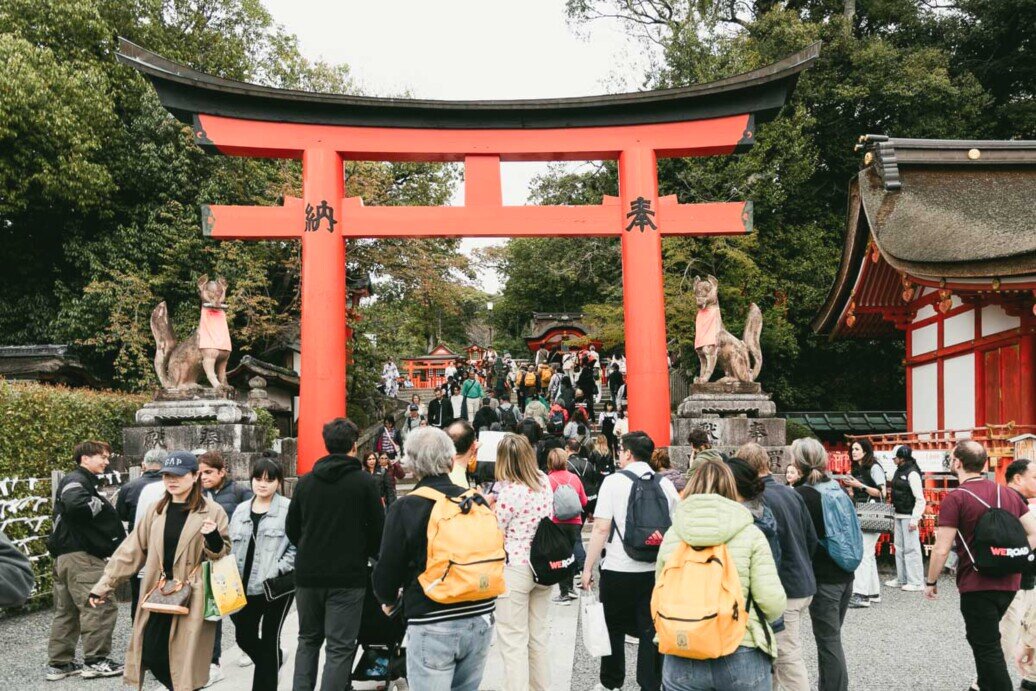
953,213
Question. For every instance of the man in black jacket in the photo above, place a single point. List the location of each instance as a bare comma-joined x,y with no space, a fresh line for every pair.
87,530
335,522
440,412
126,507
448,644
485,417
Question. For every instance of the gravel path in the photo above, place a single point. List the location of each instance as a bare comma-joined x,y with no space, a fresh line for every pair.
23,640
903,644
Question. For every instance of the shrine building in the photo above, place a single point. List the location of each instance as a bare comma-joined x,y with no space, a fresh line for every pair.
940,247
556,331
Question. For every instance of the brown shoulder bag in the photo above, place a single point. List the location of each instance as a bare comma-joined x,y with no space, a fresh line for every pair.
170,596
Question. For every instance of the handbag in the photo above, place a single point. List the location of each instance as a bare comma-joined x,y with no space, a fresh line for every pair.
277,587
876,517
170,596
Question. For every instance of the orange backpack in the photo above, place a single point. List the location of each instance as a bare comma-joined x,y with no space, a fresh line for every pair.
697,605
465,549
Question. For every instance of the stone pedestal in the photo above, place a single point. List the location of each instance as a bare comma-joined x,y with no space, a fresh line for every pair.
198,419
732,413
722,404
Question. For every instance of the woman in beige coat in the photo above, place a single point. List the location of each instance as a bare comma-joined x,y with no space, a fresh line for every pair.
175,535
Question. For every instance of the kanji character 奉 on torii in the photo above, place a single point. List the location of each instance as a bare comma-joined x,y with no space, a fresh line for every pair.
324,130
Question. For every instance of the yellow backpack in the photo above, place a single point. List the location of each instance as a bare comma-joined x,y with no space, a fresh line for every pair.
530,379
697,605
465,549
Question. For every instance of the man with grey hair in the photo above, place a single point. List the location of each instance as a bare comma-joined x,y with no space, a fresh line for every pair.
458,634
129,498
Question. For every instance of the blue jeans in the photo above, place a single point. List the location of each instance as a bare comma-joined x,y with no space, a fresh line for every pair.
745,669
448,655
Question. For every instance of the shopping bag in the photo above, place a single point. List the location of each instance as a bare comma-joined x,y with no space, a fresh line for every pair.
595,630
211,612
228,593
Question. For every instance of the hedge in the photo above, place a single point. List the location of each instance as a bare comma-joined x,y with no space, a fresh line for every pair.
39,425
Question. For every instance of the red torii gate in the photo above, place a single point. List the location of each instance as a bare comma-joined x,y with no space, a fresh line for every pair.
240,119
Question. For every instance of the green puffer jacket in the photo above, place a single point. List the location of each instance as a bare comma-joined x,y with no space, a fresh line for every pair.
703,520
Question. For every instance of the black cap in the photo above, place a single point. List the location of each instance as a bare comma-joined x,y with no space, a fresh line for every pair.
905,452
414,406
180,463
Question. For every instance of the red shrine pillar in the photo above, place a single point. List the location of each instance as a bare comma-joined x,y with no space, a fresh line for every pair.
647,370
323,337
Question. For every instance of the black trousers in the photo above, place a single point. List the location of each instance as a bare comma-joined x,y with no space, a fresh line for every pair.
982,611
154,648
134,597
575,534
258,628
627,610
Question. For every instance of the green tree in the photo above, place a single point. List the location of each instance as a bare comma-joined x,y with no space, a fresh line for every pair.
894,66
101,187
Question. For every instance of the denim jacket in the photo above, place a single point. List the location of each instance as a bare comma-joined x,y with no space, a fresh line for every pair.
274,554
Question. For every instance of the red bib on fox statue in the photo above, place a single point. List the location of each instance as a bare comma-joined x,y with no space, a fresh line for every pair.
212,329
706,326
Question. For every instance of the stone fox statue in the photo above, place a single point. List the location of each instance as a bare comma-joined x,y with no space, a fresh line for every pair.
740,360
178,365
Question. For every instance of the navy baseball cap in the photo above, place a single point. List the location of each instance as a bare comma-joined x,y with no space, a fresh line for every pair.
180,463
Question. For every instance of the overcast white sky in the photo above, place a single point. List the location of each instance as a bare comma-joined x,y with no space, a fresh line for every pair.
466,49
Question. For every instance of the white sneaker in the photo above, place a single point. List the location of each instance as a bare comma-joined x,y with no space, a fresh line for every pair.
894,583
912,588
215,675
244,661
602,687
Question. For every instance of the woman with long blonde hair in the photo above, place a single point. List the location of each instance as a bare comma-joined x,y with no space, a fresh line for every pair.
523,499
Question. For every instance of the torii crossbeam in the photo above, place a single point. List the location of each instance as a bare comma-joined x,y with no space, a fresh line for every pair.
324,130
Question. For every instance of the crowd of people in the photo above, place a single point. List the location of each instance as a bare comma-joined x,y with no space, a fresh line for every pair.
711,570
575,379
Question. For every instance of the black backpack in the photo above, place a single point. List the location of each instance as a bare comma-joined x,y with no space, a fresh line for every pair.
647,517
550,555
999,546
580,466
556,423
508,418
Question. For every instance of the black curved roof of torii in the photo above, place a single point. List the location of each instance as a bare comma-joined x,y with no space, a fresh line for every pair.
186,93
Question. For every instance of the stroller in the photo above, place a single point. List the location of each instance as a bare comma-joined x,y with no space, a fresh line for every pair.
383,661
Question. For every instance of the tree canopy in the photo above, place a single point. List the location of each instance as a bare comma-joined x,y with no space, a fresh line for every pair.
903,67
101,187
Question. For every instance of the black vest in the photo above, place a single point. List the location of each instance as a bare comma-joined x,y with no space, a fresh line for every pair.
864,475
902,497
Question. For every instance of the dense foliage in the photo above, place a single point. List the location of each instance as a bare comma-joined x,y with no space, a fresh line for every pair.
100,187
100,190
40,424
901,67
